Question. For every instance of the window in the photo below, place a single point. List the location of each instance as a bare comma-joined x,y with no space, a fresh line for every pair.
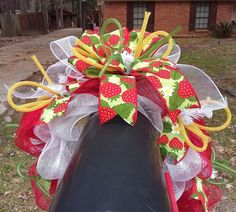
135,14
138,14
202,15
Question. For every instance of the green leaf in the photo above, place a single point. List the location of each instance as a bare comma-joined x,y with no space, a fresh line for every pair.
106,37
175,101
114,98
70,60
104,103
167,127
51,106
195,195
175,75
124,110
192,99
127,86
92,72
163,151
94,40
133,36
46,184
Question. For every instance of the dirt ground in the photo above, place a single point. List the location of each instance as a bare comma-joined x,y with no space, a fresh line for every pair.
15,61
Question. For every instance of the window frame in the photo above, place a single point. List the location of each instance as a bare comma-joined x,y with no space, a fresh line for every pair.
211,17
150,5
204,8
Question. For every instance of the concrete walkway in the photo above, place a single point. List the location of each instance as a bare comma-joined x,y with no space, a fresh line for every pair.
16,63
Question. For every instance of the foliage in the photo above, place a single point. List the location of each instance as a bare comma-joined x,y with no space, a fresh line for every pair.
223,30
92,3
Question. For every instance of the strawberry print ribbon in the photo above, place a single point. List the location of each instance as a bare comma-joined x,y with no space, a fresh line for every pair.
164,76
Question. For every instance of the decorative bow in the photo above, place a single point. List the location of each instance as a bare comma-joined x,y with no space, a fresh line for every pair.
119,66
122,69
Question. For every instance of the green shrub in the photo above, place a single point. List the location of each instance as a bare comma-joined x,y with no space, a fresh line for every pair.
223,30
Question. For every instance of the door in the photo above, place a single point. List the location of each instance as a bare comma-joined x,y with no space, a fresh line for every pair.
135,14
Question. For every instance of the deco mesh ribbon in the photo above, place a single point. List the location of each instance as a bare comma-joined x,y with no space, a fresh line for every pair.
121,73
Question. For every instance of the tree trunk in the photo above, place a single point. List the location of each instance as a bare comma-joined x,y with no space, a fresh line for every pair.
57,17
61,15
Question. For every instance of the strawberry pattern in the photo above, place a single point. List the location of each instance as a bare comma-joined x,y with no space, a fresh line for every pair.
106,114
118,93
165,77
56,109
185,89
175,143
155,81
129,96
163,74
170,83
171,142
114,40
109,89
86,40
126,80
199,192
81,65
163,140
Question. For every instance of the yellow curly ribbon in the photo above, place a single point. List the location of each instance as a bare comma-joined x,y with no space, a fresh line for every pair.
32,106
142,42
89,61
205,139
141,35
85,47
219,128
163,33
196,129
34,58
82,52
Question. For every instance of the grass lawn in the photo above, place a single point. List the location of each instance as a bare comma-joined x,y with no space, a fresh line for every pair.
216,57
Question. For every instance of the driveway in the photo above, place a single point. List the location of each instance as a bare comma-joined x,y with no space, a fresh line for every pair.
15,59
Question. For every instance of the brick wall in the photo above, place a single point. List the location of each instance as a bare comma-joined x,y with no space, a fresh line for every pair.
224,12
168,15
116,10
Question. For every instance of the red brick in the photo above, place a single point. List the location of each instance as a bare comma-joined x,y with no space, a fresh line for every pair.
224,12
168,14
116,10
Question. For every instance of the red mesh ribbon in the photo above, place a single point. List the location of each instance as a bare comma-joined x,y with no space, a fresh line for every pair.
205,156
186,203
25,133
41,200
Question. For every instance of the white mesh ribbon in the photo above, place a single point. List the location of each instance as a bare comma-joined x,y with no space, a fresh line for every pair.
55,72
208,94
62,51
185,170
62,134
174,55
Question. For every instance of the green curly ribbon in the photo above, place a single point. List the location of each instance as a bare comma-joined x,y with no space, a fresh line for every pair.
6,134
103,31
223,167
116,55
158,44
38,180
